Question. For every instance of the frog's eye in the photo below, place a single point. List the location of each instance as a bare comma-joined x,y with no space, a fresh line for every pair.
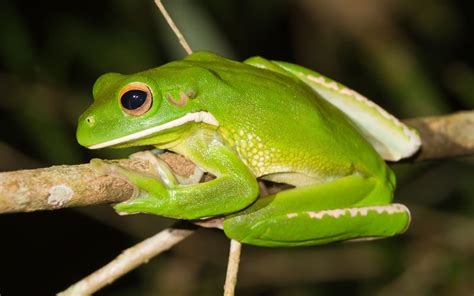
136,98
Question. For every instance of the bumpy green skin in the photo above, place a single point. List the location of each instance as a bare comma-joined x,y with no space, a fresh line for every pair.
270,125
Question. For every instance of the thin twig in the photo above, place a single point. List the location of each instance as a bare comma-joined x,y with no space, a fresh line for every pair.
232,268
173,26
130,259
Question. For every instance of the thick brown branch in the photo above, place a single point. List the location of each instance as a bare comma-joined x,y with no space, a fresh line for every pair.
445,136
73,185
79,185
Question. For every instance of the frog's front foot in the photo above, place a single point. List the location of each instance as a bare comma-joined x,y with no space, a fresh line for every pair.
161,167
150,195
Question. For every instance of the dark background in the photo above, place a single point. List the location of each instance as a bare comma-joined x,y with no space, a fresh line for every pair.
412,57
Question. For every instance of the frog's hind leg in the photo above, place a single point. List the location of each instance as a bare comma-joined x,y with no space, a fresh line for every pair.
344,209
325,226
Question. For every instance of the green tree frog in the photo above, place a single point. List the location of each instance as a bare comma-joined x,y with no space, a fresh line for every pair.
257,119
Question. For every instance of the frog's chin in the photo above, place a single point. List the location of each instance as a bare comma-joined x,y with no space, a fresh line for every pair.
201,116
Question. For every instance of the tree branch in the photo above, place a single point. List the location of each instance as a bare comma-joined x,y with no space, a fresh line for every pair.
445,136
80,185
66,186
130,259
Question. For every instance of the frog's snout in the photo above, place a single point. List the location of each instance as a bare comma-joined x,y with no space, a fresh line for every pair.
84,129
90,120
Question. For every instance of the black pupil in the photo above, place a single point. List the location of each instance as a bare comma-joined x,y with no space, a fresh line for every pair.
133,99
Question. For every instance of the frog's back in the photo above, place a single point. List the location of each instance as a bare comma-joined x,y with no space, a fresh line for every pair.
277,124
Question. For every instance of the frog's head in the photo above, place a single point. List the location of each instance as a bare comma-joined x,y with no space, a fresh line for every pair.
154,107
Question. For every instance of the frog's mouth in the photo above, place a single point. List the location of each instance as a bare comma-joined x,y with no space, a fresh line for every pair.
202,116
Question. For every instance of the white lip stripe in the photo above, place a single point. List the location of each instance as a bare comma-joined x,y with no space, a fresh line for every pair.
201,116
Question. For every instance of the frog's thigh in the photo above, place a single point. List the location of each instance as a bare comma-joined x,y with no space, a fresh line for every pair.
319,214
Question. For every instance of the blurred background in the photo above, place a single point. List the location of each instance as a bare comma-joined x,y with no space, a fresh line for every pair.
412,57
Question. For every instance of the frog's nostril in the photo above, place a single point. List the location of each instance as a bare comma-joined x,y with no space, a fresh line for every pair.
90,120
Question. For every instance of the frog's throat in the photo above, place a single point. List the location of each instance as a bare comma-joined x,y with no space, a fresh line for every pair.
201,116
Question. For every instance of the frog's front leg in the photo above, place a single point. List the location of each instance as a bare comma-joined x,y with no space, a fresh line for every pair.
320,214
234,188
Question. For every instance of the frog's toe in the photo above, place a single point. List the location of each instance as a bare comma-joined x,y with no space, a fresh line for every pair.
139,205
161,168
101,166
144,155
105,168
